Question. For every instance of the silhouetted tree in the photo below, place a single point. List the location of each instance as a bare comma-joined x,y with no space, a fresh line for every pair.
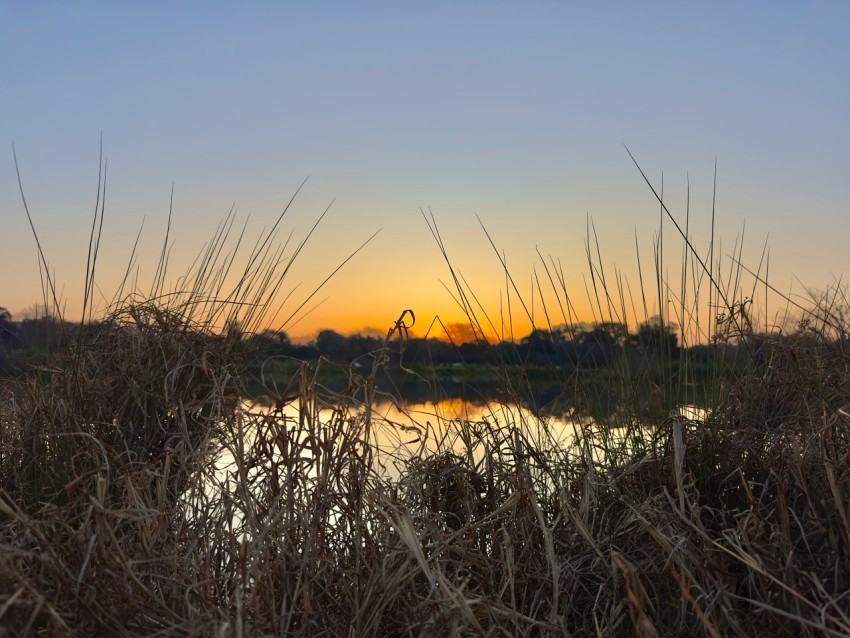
539,337
607,333
8,329
472,353
540,346
269,344
305,352
43,334
345,349
655,336
429,351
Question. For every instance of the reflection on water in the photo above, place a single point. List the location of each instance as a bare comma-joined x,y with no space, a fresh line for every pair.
398,433
693,412
308,444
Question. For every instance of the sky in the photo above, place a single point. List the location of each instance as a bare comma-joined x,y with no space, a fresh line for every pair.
509,117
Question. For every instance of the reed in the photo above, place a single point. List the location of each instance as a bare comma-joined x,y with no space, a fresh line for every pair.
140,497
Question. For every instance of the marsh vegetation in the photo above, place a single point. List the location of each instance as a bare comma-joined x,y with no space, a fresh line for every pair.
118,515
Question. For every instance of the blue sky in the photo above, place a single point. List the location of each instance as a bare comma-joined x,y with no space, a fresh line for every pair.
514,112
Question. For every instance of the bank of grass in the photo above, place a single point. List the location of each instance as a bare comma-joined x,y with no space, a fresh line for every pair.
139,498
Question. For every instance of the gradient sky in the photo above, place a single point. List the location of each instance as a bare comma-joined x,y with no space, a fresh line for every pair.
518,113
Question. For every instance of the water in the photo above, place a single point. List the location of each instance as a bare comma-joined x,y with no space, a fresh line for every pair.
421,429
287,452
395,434
399,432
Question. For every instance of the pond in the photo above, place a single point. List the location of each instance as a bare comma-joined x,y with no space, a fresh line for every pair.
398,432
271,459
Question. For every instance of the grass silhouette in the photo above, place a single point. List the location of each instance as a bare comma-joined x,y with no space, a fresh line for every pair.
140,497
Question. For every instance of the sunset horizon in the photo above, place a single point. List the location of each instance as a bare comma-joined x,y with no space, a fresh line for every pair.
518,153
424,319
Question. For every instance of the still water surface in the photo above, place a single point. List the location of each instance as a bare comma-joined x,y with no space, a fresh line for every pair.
401,431
401,434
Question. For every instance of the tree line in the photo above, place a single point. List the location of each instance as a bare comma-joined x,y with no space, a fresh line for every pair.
593,345
583,346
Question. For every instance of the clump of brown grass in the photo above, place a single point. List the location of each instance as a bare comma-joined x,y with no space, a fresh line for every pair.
97,450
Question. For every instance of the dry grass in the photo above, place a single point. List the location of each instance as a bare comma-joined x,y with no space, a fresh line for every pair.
139,498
